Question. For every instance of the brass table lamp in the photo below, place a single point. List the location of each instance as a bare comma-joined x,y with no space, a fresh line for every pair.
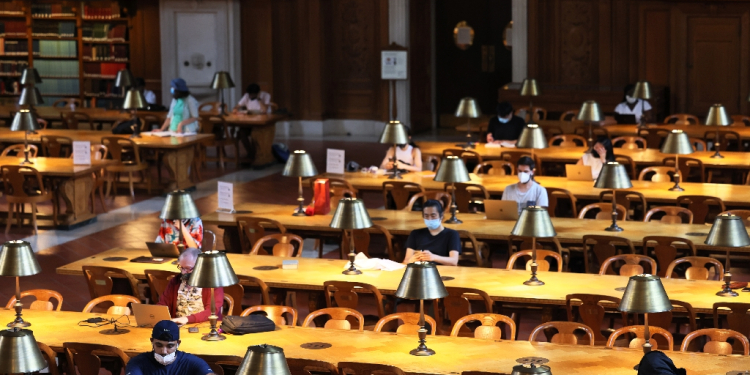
212,270
179,206
613,176
299,165
134,100
25,120
534,222
222,80
645,294
452,169
589,114
351,214
394,133
17,259
30,76
264,360
728,231
532,136
19,353
421,281
124,79
677,143
30,96
468,109
531,89
642,91
717,116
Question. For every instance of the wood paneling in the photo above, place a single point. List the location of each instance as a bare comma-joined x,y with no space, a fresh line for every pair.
420,66
257,45
145,45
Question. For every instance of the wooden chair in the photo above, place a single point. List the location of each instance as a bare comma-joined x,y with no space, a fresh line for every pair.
443,197
119,302
631,267
430,162
149,120
252,229
660,174
275,313
737,320
410,324
697,269
551,131
690,169
400,193
128,157
569,115
541,255
55,146
630,143
744,214
700,205
42,299
654,137
698,144
253,282
50,356
338,318
639,340
672,215
489,329
663,249
87,358
629,164
718,343
355,368
22,185
533,115
362,238
554,195
682,119
605,211
157,282
467,156
469,197
345,294
17,150
565,332
664,319
603,247
220,363
101,283
213,108
284,246
218,127
473,253
520,243
725,137
634,202
227,306
740,120
73,120
495,168
596,131
514,155
592,312
567,140
310,367
456,305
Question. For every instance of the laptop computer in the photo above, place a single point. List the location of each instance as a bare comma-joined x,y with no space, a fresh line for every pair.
149,315
163,250
625,119
578,172
496,209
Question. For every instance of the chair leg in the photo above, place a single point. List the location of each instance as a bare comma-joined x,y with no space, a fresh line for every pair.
33,218
130,180
55,212
11,207
221,152
20,211
101,197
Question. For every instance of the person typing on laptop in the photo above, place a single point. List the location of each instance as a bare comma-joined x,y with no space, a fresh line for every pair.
192,232
526,192
189,304
164,357
434,243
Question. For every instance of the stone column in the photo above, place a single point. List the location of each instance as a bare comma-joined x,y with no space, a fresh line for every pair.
519,39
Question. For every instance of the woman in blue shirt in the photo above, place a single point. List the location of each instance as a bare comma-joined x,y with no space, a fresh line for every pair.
183,111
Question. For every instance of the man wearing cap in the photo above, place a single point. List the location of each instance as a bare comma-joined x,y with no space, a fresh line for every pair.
165,359
183,111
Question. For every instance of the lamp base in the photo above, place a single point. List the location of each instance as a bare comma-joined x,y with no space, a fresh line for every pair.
396,176
453,220
27,162
19,324
213,336
533,282
717,155
676,187
135,136
422,352
726,292
299,213
614,228
352,272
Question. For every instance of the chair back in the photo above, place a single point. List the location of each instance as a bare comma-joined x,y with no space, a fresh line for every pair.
565,332
697,269
55,146
631,267
400,192
489,329
569,115
18,150
210,107
157,282
664,319
254,282
67,102
718,343
101,283
737,319
744,214
467,156
344,294
275,313
681,119
700,206
604,211
119,304
42,299
567,140
252,229
554,195
466,193
74,119
217,363
513,156
361,238
656,174
473,253
740,120
630,142
495,168
541,255
596,131
603,247
443,197
654,137
285,246
50,356
338,318
665,251
456,304
410,323
591,311
625,198
639,340
533,115
86,357
724,137
692,168
121,149
672,215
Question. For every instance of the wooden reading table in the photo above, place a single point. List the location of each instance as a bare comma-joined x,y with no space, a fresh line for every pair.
263,129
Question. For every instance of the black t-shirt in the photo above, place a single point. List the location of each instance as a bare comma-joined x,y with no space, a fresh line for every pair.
510,131
441,244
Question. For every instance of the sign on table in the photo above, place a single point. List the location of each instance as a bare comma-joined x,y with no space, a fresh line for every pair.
226,196
81,153
335,161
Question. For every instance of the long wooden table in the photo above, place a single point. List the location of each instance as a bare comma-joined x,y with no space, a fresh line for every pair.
263,132
453,354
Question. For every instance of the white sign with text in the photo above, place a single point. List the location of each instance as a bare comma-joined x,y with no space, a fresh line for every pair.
226,196
81,153
335,161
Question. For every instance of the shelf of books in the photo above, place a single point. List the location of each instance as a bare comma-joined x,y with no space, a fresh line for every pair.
77,46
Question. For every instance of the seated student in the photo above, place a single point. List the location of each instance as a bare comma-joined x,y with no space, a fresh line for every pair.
601,153
526,192
183,111
434,243
409,157
189,304
164,358
506,127
192,232
254,100
633,106
149,95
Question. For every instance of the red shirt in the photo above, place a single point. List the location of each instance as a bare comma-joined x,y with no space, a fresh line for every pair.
169,299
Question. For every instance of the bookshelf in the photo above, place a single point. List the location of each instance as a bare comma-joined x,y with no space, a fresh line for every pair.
77,46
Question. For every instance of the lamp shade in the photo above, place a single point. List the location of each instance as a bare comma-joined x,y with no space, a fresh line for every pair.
394,133
717,116
124,79
468,108
30,96
351,214
134,99
645,294
677,142
222,80
179,205
30,76
24,120
19,353
728,231
532,136
642,90
264,360
534,221
212,270
17,259
452,169
590,112
299,164
529,87
613,176
421,280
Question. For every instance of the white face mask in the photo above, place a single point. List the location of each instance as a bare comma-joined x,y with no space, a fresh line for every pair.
166,359
524,177
630,99
503,120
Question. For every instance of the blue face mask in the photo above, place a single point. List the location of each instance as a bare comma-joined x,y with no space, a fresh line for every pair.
432,224
503,120
171,89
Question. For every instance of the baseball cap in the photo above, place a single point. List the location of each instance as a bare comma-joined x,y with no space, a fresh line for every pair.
166,330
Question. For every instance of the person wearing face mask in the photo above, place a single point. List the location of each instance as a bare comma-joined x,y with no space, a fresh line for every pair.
601,153
183,111
526,192
165,359
505,128
192,232
632,106
434,243
409,156
189,304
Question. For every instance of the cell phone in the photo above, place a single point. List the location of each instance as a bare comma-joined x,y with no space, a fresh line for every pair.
193,330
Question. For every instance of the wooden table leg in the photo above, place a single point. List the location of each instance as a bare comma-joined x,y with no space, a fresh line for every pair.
76,193
262,138
178,163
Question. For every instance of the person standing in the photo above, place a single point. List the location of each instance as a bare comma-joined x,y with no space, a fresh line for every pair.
183,111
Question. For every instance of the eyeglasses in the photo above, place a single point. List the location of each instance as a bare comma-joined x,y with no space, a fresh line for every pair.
186,269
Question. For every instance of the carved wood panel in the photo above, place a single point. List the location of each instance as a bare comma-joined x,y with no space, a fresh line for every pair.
578,42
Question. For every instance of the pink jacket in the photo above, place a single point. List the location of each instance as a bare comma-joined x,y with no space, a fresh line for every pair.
169,299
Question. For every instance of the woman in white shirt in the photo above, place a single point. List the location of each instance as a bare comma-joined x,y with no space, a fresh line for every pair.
409,157
601,153
183,111
632,106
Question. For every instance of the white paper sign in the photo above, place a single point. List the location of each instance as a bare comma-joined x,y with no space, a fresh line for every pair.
81,153
393,65
335,161
226,196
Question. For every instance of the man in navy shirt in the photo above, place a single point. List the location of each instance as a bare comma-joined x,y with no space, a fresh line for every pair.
434,243
165,359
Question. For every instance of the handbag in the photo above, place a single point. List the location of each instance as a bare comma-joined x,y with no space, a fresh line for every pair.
240,325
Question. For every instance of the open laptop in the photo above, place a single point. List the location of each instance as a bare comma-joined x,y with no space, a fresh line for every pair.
496,209
578,172
625,119
149,315
163,250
